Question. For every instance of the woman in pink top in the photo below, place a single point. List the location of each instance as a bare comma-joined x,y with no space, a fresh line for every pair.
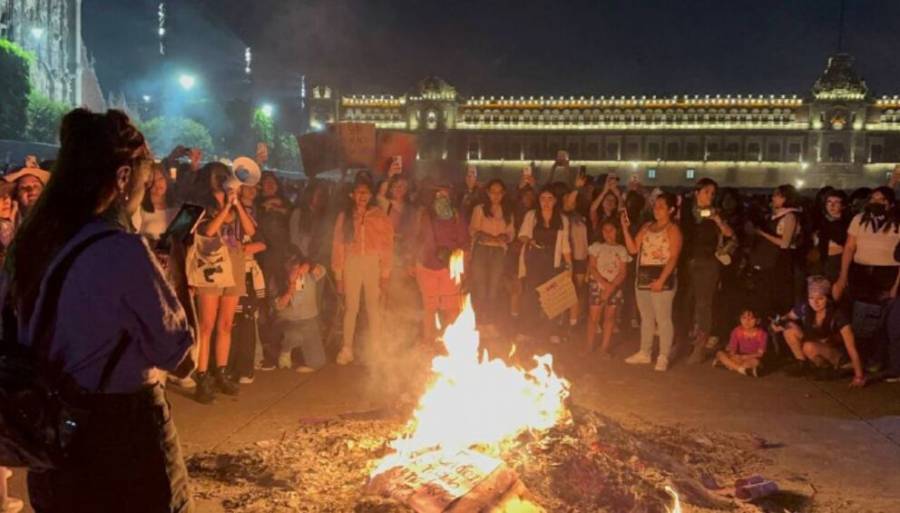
491,230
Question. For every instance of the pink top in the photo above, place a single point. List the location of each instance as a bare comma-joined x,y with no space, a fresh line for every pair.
742,343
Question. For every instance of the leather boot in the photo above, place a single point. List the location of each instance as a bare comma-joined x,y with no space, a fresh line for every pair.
698,355
224,383
204,393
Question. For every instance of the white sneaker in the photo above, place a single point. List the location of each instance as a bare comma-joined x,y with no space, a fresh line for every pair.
345,356
639,358
303,369
246,380
186,383
284,361
662,363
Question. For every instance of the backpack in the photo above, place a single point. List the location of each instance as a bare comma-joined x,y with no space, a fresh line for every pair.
37,419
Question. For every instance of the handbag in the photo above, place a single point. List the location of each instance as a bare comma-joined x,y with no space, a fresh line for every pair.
38,421
647,274
209,263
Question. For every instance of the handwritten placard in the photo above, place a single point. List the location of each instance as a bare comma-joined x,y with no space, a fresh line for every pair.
431,482
557,294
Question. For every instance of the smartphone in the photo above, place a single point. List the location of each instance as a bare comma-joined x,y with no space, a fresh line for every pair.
526,171
184,223
173,173
706,212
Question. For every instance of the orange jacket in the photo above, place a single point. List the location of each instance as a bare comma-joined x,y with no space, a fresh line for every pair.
373,234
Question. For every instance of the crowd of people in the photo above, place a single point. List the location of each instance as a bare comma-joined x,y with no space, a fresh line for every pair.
808,278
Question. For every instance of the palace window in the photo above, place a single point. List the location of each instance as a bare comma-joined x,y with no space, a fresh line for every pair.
794,150
473,153
612,151
837,152
692,151
592,151
753,152
653,151
672,151
876,153
774,151
632,151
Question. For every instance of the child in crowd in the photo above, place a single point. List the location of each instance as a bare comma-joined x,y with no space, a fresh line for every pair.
606,268
297,313
746,346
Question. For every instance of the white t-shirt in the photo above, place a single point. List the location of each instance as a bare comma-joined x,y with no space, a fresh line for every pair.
873,248
608,257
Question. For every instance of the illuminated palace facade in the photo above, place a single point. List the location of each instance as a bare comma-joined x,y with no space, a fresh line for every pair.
838,134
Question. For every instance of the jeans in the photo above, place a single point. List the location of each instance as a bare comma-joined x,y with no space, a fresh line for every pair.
306,335
704,281
656,310
487,279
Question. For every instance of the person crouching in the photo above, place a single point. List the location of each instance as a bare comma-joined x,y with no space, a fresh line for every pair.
297,313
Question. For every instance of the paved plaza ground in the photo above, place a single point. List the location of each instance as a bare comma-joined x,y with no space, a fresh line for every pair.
839,444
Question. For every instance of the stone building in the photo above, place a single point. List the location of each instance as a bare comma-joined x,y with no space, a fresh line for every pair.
51,30
838,133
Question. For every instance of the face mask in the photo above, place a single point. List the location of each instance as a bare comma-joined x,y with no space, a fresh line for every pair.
876,209
442,208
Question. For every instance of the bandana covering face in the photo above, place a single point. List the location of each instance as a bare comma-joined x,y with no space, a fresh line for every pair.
442,208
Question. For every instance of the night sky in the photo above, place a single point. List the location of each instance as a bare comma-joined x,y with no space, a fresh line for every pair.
496,47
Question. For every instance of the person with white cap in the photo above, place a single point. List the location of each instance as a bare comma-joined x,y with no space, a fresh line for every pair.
29,184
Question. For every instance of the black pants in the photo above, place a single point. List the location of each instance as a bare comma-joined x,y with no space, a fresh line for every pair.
704,283
243,345
127,458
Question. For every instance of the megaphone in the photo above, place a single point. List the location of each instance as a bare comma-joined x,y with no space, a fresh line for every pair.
246,171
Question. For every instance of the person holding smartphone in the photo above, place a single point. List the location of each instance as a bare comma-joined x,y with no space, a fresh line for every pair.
658,246
703,229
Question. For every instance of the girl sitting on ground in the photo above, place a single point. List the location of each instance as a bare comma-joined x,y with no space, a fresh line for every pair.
606,268
746,346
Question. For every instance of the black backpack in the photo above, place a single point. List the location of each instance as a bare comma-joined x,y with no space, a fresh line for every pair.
37,419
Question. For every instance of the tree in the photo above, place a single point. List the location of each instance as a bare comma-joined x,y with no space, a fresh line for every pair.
44,118
165,133
14,87
263,127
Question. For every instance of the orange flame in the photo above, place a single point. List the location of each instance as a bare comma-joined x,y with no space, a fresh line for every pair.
457,263
475,401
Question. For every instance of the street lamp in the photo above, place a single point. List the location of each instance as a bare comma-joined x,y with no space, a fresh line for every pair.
267,109
37,32
146,98
187,82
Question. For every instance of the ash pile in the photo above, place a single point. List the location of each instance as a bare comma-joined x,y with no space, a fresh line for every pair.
590,464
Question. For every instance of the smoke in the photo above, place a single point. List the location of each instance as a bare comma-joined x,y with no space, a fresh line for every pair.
398,363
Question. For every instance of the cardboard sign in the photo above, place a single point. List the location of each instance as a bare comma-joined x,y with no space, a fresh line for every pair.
434,480
317,150
356,143
557,294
